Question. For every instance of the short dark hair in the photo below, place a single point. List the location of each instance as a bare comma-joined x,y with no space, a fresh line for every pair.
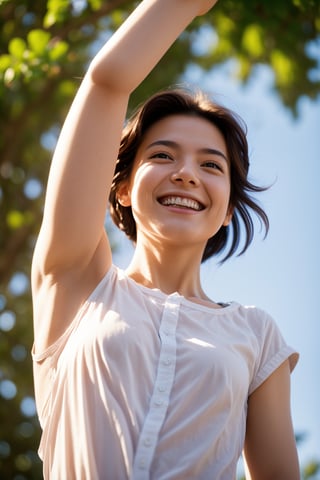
234,131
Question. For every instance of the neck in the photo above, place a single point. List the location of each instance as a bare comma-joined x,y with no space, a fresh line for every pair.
169,269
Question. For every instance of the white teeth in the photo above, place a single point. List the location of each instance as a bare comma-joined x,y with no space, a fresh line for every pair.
182,202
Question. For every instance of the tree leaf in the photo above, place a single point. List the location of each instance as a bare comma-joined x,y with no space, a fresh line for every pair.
252,40
17,47
57,11
283,67
15,219
38,41
5,62
49,19
58,50
95,4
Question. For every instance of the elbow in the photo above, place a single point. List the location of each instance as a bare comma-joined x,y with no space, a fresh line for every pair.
99,73
110,74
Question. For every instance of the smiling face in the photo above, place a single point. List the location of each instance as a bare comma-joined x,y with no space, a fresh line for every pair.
179,188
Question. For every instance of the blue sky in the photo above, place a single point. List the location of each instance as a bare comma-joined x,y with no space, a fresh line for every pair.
279,274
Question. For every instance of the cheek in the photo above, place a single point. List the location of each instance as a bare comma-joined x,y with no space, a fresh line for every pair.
221,201
221,191
140,194
143,183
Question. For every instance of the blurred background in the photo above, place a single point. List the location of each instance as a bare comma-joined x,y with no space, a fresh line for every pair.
259,58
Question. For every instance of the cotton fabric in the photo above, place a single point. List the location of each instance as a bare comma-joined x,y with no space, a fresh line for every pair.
145,385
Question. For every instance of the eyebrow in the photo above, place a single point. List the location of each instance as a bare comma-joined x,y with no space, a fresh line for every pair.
172,144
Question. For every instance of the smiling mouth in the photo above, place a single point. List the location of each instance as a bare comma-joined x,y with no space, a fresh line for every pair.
182,202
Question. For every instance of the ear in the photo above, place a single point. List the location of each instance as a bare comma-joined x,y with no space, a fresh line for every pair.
123,195
229,216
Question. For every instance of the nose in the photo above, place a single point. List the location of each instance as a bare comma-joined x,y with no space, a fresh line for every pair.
185,174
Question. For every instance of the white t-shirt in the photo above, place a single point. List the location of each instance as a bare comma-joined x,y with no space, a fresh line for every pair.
146,385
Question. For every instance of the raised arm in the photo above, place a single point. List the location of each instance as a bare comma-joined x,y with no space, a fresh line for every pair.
83,163
72,248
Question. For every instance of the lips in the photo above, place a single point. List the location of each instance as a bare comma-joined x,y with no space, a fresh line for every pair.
181,202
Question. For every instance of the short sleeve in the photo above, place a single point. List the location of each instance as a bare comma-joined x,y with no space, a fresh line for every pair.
273,350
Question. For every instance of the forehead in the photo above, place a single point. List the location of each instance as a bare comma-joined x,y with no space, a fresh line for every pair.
188,131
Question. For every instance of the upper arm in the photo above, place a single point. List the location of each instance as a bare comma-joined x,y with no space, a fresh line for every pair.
80,177
270,449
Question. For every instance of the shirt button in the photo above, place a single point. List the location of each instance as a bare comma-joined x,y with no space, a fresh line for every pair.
161,388
158,402
142,462
147,442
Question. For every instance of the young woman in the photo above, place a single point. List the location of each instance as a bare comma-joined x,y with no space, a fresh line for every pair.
138,374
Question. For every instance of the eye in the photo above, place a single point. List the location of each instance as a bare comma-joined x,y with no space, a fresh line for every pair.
162,155
213,165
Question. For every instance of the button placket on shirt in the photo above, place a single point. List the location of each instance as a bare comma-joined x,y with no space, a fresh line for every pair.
162,389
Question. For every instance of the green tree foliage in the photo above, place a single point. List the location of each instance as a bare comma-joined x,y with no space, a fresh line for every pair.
44,50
